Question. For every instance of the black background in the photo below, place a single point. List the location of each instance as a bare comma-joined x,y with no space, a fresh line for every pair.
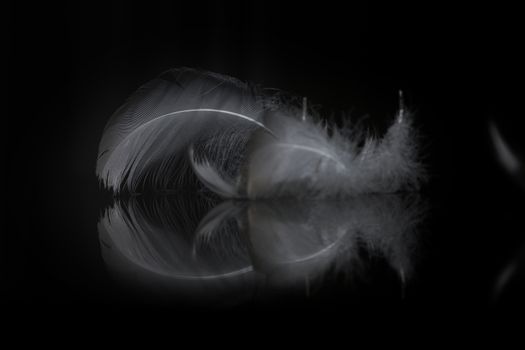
70,66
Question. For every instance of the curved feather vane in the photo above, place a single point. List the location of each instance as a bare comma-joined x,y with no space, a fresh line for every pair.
144,144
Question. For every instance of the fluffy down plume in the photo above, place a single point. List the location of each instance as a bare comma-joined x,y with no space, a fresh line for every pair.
240,141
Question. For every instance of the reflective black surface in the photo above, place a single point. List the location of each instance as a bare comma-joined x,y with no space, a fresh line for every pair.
71,67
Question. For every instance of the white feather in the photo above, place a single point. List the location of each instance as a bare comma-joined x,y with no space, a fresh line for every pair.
300,158
144,144
245,143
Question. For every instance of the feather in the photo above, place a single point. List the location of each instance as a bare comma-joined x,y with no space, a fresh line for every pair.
145,142
300,158
240,141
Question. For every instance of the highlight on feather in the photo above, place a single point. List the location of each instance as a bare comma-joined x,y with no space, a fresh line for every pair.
189,127
512,162
506,156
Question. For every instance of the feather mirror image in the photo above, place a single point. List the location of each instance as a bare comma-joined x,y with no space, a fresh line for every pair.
224,254
223,187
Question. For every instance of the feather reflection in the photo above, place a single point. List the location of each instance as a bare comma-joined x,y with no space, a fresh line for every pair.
212,249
